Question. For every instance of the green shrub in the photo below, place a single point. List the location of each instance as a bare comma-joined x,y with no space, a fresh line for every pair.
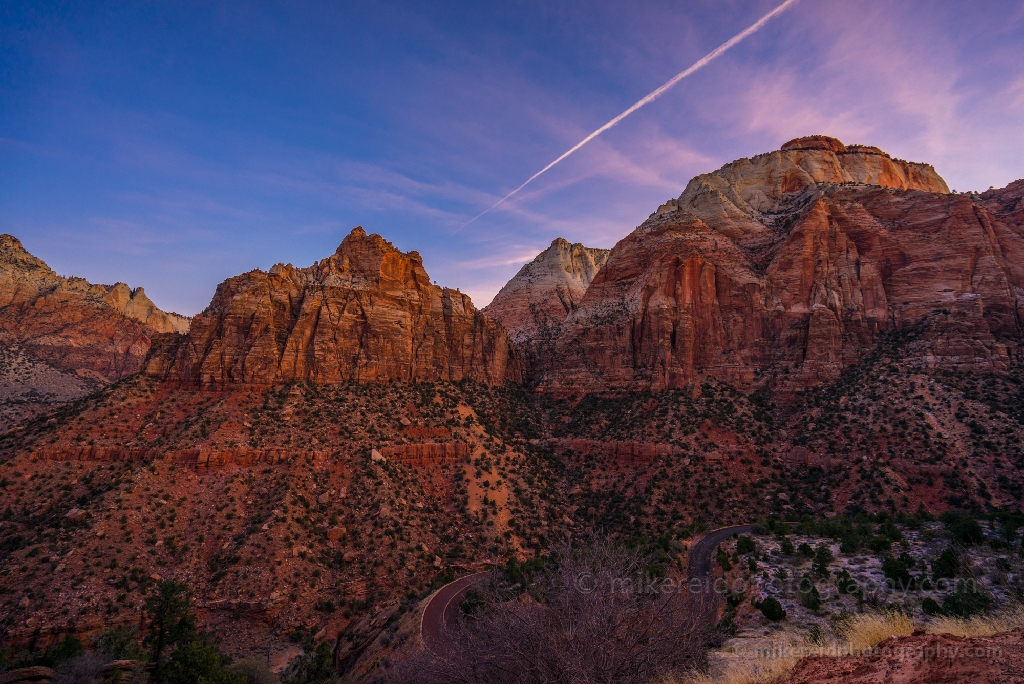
845,582
898,570
199,661
963,528
822,557
809,596
746,544
965,602
850,543
805,550
772,609
948,564
930,606
786,546
880,544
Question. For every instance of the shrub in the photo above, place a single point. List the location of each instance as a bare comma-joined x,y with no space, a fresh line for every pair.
746,544
845,582
880,543
965,602
889,529
822,557
199,661
948,564
809,596
897,570
963,528
850,543
786,546
772,609
805,550
930,606
723,560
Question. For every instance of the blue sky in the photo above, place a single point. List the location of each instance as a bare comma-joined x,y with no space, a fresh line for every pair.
172,145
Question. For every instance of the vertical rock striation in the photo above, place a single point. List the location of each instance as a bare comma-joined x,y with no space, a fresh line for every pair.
792,264
99,331
367,313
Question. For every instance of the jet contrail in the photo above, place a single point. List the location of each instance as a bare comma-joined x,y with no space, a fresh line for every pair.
699,64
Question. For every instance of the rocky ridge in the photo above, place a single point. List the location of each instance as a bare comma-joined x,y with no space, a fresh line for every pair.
64,337
547,289
367,313
790,266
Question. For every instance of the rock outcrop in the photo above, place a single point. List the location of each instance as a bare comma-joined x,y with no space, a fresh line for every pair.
546,290
367,313
793,264
98,331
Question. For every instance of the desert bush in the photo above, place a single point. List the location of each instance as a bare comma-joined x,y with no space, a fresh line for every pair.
948,564
253,671
83,669
822,557
746,544
809,596
963,528
565,630
772,609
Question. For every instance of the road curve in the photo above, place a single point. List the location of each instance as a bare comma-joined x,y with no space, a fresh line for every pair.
442,609
702,557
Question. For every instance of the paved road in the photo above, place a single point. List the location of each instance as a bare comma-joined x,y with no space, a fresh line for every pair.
442,610
702,558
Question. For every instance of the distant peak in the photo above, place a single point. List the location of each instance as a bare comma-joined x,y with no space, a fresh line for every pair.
9,243
815,142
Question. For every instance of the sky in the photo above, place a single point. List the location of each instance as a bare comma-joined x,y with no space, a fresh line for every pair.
171,145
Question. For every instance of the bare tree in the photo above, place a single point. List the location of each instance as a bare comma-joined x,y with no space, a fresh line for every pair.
593,618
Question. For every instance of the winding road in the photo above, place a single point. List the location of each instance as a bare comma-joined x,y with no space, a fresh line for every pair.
442,609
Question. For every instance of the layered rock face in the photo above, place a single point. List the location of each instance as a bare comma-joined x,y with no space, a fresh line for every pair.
98,331
793,264
547,289
367,313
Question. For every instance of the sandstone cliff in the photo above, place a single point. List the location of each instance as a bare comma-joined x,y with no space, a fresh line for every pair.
792,264
547,289
99,331
367,313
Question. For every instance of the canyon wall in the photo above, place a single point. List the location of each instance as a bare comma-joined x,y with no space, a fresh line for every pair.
792,265
367,313
98,331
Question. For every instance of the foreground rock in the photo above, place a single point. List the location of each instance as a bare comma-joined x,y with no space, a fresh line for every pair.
790,266
367,313
923,658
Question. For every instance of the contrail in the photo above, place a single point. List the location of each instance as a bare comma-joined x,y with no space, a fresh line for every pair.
654,95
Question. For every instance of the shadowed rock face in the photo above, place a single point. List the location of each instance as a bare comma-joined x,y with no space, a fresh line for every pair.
793,264
367,313
547,289
99,331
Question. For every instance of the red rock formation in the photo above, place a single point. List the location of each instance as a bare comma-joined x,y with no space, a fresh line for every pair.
922,658
99,331
632,453
200,459
547,289
429,453
367,313
794,263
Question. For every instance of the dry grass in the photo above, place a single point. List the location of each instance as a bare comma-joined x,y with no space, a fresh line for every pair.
774,664
747,671
869,629
981,625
